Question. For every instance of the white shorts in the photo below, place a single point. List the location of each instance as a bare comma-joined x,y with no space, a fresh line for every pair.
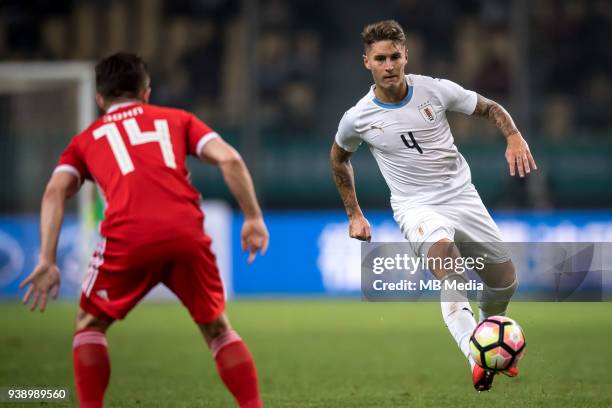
463,220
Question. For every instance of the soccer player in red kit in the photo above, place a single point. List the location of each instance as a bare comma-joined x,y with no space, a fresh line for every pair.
152,229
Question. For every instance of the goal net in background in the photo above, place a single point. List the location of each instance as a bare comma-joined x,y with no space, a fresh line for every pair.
42,105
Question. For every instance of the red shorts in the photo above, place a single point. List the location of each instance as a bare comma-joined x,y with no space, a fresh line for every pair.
118,277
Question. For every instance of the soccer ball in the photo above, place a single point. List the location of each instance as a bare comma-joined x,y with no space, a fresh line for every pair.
497,343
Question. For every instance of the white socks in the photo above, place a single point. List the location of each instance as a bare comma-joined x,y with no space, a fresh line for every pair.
459,319
457,312
458,316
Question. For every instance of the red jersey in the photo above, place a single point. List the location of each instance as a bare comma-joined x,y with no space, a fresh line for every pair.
136,154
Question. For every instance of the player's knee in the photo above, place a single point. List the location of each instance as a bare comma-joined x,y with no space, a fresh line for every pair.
437,253
501,275
86,321
444,248
215,328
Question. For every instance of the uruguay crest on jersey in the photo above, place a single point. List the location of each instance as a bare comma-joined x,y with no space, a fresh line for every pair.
428,112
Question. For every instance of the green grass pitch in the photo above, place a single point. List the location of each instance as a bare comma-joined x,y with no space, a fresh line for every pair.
320,354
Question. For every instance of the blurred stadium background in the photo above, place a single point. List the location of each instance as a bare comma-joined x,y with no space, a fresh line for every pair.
274,77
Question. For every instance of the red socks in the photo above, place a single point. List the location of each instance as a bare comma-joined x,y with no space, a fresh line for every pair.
91,367
236,368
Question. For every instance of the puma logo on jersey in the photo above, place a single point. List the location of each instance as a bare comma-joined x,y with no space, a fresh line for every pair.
428,112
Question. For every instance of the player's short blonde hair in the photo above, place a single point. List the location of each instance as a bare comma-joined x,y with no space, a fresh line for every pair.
383,31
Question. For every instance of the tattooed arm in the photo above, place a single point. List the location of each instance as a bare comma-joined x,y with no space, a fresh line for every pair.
359,227
518,154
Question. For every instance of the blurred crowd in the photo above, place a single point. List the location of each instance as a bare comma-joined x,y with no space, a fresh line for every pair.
550,59
572,66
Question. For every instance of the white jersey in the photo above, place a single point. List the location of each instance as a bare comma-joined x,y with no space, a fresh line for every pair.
412,141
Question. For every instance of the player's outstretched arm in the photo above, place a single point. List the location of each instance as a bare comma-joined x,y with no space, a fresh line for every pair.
45,278
254,236
518,154
359,227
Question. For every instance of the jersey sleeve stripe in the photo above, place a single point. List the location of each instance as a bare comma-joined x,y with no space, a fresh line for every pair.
205,139
69,169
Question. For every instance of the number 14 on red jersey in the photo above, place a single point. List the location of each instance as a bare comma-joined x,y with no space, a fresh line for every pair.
161,135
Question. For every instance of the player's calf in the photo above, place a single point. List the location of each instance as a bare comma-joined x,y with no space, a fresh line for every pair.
456,310
90,359
234,362
214,329
458,316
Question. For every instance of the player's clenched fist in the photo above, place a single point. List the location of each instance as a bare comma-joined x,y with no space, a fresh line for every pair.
518,155
359,228
254,237
44,278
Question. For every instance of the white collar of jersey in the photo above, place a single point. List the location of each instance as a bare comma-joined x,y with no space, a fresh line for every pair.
121,105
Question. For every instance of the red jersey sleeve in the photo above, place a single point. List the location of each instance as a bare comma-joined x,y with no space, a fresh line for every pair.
198,134
72,161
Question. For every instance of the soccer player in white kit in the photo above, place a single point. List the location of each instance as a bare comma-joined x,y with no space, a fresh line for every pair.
403,121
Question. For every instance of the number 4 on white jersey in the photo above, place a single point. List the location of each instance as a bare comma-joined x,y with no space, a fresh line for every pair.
161,135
